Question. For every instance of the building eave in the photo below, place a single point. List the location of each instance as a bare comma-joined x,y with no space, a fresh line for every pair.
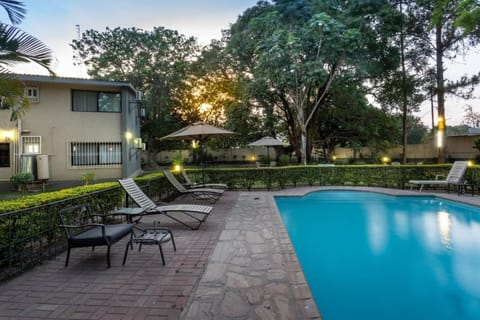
73,81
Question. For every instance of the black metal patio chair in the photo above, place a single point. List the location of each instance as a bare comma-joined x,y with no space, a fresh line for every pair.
82,229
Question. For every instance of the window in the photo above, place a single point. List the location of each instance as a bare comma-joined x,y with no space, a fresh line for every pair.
96,101
32,144
5,154
109,102
32,93
95,153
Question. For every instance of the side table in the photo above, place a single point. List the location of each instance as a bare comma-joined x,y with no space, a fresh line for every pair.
156,235
131,213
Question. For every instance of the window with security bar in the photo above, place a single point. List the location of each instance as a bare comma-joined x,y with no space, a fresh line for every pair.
32,144
95,153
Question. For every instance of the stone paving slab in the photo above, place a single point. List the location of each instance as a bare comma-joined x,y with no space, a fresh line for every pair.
253,271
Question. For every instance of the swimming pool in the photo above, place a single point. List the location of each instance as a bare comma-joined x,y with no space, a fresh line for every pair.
373,256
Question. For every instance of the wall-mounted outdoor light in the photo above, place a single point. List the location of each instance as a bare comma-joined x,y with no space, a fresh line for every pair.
137,143
7,135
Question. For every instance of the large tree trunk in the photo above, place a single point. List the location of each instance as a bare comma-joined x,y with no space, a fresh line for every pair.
303,130
304,144
404,96
440,95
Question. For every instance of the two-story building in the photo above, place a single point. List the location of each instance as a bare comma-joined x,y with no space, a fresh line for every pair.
73,126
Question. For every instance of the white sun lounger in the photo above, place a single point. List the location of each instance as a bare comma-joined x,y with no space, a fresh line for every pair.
455,177
190,185
196,213
209,194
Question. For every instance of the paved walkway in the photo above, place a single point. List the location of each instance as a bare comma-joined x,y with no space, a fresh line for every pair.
253,272
239,265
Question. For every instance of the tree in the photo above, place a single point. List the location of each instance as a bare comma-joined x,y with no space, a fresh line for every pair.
468,16
157,62
17,46
294,51
449,41
353,122
471,118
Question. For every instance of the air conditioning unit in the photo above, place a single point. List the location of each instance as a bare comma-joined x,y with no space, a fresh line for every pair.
138,95
32,93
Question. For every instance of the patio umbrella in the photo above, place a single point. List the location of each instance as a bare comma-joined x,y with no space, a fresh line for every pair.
198,131
267,142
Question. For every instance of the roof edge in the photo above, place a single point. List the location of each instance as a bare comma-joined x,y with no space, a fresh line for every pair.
68,80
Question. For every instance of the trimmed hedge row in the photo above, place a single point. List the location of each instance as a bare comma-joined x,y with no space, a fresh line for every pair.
272,178
269,178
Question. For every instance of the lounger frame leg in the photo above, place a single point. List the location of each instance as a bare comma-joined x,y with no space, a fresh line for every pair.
200,221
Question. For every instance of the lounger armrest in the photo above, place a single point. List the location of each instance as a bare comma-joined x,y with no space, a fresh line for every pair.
83,225
438,176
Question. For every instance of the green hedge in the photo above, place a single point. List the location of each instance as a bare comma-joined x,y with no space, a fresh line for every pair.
272,178
269,178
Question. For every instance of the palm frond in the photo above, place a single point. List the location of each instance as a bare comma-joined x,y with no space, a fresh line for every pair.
12,97
18,46
15,10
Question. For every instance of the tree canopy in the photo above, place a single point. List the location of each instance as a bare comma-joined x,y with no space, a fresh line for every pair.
318,73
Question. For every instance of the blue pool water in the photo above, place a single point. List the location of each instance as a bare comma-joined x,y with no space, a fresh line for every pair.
377,257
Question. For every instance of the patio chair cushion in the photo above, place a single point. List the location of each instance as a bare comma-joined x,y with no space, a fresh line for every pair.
94,237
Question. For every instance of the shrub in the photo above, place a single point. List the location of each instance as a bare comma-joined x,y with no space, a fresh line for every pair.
21,180
177,160
88,177
264,159
476,144
283,159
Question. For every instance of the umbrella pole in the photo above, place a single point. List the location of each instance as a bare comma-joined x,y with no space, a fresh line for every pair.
201,162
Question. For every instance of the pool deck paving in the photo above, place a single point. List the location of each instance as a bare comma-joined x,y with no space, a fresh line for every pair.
239,265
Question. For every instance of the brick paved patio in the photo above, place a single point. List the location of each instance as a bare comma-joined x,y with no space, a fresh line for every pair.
142,289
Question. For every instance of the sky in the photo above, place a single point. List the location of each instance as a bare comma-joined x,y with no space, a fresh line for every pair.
54,23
